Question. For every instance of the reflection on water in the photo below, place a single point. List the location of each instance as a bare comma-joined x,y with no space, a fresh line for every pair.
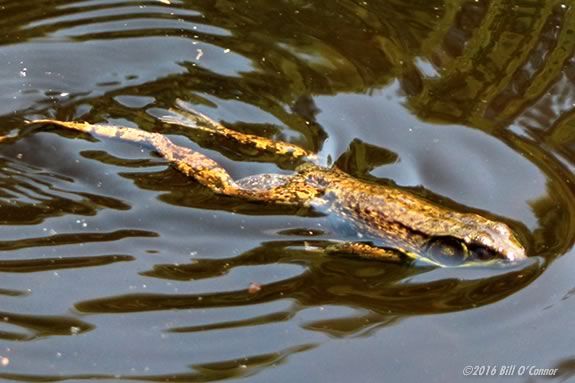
468,103
41,326
355,283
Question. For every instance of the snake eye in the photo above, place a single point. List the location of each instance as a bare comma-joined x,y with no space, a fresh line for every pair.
447,251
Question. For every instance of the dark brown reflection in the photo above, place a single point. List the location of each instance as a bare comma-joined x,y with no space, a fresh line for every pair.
565,370
36,326
13,293
29,195
497,58
361,158
554,211
384,291
43,264
205,372
276,317
66,239
301,232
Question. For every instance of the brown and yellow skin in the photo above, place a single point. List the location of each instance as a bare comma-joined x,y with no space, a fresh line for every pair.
408,226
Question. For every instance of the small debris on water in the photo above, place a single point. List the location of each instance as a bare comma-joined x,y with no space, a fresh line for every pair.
254,288
4,361
308,247
82,222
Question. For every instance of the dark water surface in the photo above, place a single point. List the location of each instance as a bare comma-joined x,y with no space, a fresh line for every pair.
115,266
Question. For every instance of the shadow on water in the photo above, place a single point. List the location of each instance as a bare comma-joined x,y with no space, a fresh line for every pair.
503,69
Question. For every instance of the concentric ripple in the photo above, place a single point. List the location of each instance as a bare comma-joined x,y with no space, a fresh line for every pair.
117,267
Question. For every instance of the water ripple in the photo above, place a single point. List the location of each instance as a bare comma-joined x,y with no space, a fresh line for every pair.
466,102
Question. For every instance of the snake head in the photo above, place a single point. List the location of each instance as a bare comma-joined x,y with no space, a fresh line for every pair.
478,244
495,241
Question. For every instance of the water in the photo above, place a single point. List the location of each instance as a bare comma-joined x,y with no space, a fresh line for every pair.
117,267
